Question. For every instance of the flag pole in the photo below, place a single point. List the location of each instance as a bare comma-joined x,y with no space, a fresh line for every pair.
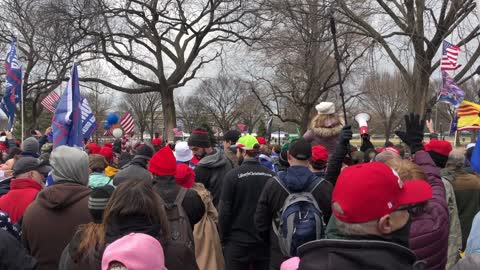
22,107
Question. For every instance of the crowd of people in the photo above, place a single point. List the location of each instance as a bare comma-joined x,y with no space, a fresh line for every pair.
317,202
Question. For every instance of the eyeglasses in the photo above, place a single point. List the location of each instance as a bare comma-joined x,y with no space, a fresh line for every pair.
412,209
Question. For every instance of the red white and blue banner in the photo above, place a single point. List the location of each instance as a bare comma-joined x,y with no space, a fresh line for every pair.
13,84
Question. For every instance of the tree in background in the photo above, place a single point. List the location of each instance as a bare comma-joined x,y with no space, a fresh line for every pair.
299,60
262,129
384,100
161,45
191,112
411,33
145,108
221,98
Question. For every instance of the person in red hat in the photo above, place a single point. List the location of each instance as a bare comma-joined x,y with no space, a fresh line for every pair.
372,206
111,169
439,150
318,161
163,168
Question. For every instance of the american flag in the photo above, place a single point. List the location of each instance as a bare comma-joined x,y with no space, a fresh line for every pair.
50,102
127,123
108,132
449,56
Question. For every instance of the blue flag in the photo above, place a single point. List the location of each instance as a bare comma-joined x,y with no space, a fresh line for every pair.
450,93
13,84
67,120
475,160
89,123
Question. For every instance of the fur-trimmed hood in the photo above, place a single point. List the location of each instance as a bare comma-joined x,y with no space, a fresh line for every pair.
324,131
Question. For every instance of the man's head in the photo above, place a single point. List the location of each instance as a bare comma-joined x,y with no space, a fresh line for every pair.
31,168
247,147
163,163
299,152
31,147
199,143
230,138
371,199
69,165
439,150
318,161
97,163
456,160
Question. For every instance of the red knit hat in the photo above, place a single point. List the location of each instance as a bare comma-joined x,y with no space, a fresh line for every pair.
109,145
94,148
107,153
157,142
163,162
184,176
369,191
319,153
261,140
439,146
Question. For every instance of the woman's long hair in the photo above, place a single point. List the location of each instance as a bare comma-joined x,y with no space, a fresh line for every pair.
129,198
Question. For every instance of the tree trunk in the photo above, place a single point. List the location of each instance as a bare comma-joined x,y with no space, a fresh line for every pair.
169,117
419,87
305,120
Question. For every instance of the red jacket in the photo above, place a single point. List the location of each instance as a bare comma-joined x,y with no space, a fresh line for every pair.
21,195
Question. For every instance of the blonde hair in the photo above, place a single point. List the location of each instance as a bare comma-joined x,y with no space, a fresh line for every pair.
406,169
320,119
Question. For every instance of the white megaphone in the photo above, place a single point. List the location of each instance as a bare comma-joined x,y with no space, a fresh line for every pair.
362,120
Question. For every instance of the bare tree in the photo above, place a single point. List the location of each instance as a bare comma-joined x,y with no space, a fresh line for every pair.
191,111
414,28
146,109
161,45
221,98
384,100
300,61
251,111
47,46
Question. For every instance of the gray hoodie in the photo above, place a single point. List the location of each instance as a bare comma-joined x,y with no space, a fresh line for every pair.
211,170
69,164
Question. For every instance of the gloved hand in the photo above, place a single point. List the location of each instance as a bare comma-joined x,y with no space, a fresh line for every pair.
413,134
346,134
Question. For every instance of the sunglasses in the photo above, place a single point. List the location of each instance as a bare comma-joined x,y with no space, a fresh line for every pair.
413,209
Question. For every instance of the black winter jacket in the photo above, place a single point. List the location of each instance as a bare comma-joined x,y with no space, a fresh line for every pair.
296,179
356,255
211,170
241,190
13,256
193,205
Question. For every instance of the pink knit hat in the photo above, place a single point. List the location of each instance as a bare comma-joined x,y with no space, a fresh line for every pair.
290,264
136,251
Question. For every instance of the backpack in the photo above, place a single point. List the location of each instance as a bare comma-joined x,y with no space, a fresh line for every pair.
180,228
300,220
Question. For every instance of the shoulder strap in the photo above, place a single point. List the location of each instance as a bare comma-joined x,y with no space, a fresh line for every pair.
315,184
180,196
280,182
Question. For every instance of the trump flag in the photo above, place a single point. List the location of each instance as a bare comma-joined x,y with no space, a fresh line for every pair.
67,120
13,84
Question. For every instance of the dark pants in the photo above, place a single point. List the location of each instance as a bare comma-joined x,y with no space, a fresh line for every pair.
244,257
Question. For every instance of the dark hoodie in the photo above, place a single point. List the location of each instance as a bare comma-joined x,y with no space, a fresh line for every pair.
296,179
211,170
51,220
360,254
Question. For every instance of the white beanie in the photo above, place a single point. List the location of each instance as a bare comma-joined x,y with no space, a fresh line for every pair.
325,108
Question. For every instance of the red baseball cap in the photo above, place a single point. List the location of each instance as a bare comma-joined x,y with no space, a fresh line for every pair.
369,191
439,146
262,140
319,153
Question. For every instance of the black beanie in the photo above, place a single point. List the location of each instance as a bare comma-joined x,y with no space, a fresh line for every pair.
97,201
439,159
145,151
199,138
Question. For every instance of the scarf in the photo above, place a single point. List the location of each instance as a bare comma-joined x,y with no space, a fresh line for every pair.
122,226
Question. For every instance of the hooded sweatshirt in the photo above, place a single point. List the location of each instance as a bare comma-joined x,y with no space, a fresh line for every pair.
296,179
52,219
211,170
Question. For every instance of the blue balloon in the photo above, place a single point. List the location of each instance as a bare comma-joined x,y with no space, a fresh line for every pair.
112,119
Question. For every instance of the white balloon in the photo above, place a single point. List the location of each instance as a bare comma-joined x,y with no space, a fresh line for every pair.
117,133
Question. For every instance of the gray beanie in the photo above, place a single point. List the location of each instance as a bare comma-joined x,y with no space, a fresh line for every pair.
69,164
31,145
132,172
